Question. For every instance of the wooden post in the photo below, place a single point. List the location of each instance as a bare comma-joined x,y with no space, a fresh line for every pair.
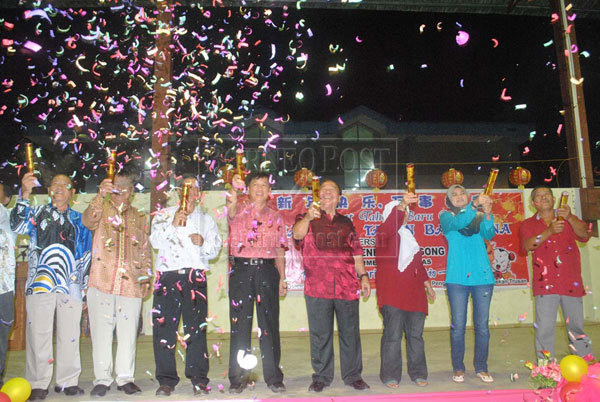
571,88
16,339
160,120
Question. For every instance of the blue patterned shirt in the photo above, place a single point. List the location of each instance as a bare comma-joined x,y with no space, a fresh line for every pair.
59,248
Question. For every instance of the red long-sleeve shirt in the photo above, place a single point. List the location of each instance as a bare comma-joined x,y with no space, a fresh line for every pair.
403,290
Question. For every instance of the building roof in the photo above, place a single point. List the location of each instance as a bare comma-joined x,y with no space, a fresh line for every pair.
583,8
387,127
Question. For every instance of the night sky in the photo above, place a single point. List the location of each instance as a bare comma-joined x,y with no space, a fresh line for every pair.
432,79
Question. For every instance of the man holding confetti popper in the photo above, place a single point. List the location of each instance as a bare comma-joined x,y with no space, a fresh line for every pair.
120,278
335,278
257,256
550,235
59,260
186,239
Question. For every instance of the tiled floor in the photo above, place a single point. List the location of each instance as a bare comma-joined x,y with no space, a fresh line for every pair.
509,348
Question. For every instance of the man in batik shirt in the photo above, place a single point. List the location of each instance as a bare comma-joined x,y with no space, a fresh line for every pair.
59,261
119,280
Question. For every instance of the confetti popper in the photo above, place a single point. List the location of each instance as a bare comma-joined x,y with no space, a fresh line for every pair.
491,181
112,160
29,157
239,163
316,188
564,198
185,194
410,178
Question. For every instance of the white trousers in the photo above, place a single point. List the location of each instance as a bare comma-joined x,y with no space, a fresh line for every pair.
106,313
41,308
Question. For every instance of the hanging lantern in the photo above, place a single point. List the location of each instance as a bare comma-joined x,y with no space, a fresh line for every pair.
452,177
520,177
303,178
226,173
376,178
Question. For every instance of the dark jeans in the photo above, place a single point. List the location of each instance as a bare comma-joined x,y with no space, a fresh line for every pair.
320,321
397,322
458,296
180,295
247,284
7,316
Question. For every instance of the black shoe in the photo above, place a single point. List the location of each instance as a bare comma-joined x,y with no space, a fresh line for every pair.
99,390
38,394
277,387
129,388
201,389
237,388
316,386
359,385
70,391
164,390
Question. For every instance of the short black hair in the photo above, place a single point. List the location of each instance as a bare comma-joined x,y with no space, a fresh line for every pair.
190,175
539,186
339,189
8,192
258,176
64,175
130,173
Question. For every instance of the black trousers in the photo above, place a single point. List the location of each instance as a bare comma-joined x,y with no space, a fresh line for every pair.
180,295
7,316
320,321
247,284
397,322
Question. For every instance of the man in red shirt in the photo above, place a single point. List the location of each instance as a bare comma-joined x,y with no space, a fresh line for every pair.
550,235
257,255
403,287
332,259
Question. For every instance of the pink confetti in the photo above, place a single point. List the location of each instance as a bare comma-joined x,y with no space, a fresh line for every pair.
34,47
505,97
162,185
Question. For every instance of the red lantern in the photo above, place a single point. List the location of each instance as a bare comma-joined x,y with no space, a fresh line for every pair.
452,177
226,173
520,177
376,178
303,178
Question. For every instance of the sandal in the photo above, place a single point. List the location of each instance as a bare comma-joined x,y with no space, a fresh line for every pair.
391,384
458,376
485,377
421,382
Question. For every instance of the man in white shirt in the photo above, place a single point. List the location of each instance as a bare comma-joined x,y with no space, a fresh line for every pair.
186,240
7,276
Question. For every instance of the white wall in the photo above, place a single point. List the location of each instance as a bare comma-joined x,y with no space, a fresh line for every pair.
509,306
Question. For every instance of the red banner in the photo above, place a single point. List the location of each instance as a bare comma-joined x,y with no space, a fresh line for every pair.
366,211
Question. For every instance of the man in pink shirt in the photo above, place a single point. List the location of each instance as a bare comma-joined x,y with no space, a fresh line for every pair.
333,258
550,236
257,256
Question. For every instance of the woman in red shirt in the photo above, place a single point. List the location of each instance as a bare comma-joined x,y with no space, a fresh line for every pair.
403,287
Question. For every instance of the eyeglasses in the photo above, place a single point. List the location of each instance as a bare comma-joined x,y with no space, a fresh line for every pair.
121,190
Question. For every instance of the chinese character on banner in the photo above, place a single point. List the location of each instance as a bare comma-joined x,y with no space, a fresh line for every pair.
508,266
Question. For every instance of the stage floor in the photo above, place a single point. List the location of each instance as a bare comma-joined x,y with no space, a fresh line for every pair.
510,347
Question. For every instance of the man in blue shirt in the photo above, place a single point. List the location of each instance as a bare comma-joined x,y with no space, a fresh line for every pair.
59,261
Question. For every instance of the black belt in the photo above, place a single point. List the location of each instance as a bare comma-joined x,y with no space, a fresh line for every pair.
251,261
